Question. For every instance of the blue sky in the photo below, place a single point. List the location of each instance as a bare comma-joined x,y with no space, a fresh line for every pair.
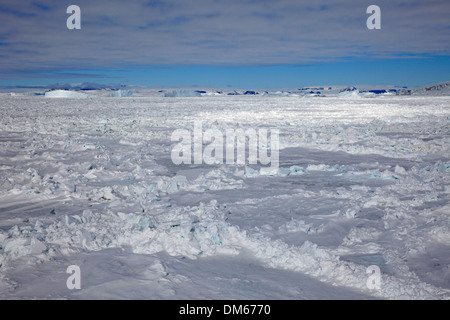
234,43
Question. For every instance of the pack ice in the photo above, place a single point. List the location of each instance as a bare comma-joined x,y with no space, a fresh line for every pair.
361,183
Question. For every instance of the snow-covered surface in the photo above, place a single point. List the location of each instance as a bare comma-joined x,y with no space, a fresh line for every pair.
361,182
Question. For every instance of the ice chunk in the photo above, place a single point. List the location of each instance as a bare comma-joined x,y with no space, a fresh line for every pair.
283,171
317,167
86,216
399,170
296,170
250,172
71,219
173,187
37,247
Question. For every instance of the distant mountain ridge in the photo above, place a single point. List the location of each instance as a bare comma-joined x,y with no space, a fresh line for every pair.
439,89
120,90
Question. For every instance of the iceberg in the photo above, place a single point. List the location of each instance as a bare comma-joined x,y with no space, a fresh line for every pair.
65,94
182,93
349,92
121,93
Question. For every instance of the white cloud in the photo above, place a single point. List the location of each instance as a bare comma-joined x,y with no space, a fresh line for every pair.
210,32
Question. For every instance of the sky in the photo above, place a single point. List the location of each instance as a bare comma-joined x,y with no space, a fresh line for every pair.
218,43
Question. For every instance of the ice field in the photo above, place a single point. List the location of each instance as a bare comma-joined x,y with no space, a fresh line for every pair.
362,182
